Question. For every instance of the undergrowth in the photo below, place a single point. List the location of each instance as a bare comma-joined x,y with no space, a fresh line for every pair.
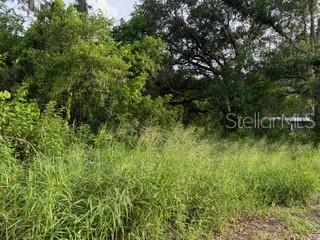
168,185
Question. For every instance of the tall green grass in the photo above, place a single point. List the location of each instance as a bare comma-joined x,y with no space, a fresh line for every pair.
170,185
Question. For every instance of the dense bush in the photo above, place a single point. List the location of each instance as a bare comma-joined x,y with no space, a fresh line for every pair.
18,120
27,131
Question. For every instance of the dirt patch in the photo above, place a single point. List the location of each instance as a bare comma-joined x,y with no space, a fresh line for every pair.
311,237
258,228
273,226
254,228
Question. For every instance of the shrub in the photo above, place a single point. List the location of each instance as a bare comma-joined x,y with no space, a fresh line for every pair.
18,120
29,132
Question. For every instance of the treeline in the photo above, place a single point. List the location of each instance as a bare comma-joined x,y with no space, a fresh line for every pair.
67,64
190,61
234,57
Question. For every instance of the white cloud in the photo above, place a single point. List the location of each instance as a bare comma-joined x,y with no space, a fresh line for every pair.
111,8
104,5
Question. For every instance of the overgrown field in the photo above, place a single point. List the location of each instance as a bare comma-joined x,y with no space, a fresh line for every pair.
168,185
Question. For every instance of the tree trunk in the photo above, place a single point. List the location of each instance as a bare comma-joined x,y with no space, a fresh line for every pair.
312,23
31,5
83,6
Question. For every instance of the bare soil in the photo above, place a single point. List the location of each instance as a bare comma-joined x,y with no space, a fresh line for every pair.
273,227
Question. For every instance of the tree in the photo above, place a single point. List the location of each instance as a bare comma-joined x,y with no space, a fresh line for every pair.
90,77
136,28
82,6
11,30
295,63
219,47
238,57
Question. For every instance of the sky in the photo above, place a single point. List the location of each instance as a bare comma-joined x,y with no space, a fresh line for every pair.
116,9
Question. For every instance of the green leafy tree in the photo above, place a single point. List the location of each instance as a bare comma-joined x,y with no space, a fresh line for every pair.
11,31
215,50
136,28
91,77
293,63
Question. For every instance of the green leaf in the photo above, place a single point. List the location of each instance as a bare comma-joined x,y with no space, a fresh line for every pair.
5,95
